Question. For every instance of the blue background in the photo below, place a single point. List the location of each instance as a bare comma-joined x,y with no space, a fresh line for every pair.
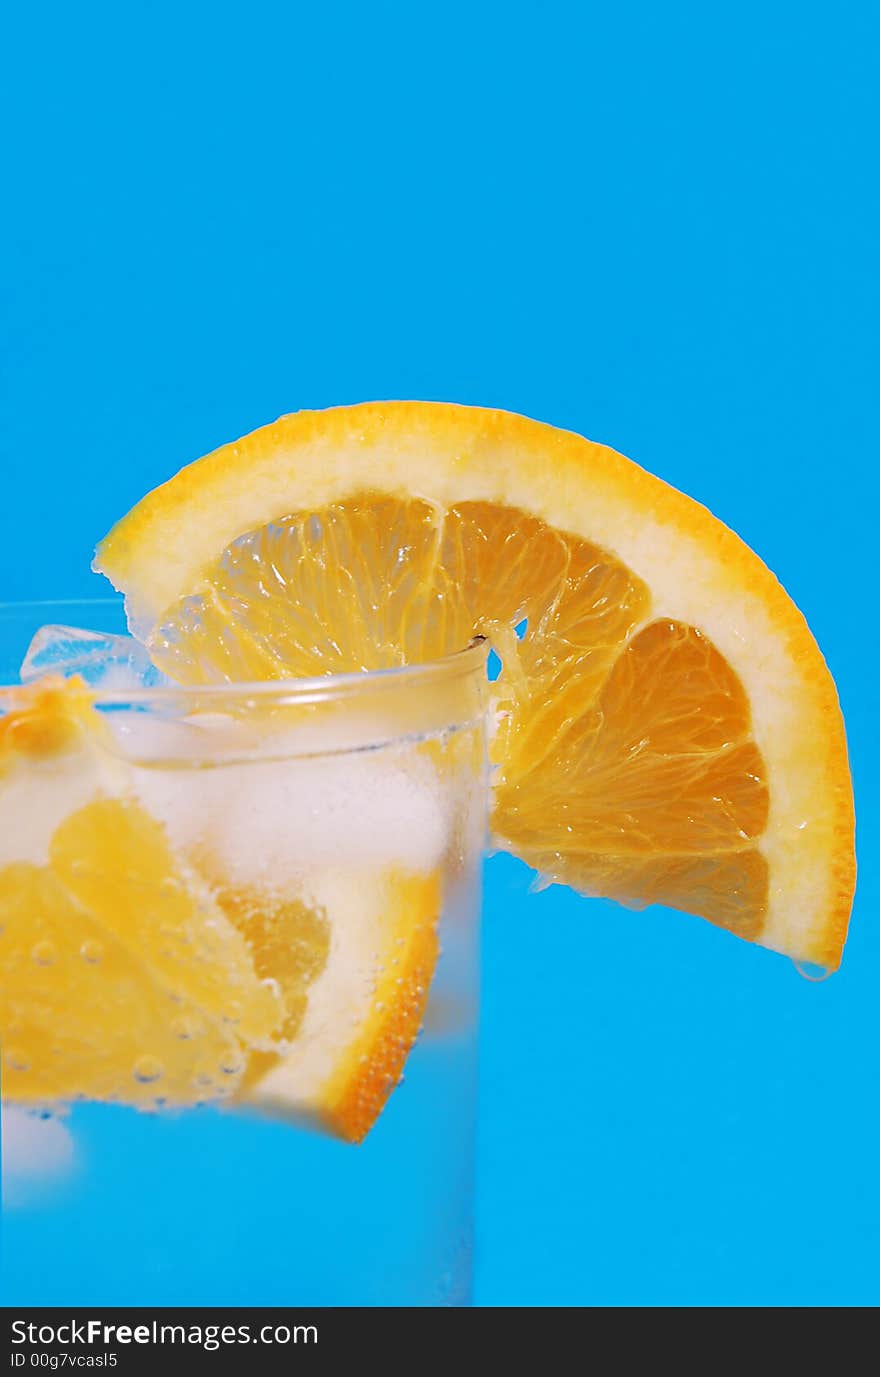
654,224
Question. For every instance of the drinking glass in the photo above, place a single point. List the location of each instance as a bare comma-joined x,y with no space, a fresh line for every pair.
326,786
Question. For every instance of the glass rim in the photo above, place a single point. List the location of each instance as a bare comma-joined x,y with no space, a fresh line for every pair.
302,689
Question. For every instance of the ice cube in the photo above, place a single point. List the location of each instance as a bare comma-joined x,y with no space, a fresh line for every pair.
274,821
109,662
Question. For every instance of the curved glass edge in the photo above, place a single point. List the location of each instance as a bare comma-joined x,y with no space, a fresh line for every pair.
317,688
317,715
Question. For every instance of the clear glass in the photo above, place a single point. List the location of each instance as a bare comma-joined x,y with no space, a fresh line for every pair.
327,786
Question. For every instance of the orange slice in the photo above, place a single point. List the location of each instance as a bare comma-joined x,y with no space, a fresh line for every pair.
668,730
361,1016
129,972
120,977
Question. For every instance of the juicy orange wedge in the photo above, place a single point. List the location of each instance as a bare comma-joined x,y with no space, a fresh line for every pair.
667,728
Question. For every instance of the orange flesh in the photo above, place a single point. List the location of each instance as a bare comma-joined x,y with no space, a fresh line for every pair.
119,979
626,764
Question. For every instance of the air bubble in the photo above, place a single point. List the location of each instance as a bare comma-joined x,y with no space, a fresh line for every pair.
44,953
16,1060
185,1027
92,951
231,1064
147,1069
233,1012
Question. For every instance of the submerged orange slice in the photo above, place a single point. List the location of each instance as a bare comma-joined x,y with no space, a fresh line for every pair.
120,978
129,974
668,730
360,1018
